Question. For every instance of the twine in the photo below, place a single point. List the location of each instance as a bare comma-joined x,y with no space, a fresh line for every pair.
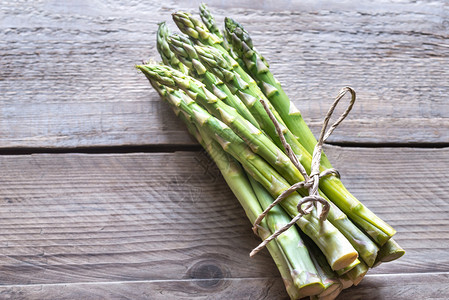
311,182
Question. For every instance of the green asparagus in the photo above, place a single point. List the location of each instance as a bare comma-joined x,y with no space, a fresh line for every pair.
184,51
162,47
218,64
295,251
241,41
214,81
389,252
238,182
334,245
205,33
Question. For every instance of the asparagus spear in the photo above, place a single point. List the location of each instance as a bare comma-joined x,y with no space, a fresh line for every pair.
238,182
162,47
334,245
348,268
197,121
197,30
357,273
294,249
328,276
209,20
389,252
184,51
242,36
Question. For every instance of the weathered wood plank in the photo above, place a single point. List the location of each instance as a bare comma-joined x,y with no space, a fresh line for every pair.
408,286
400,286
67,77
70,218
396,184
245,288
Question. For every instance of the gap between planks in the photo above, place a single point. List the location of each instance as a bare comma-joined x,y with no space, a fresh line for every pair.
171,148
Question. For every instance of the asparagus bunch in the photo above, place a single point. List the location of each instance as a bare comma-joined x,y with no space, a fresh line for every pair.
214,81
258,68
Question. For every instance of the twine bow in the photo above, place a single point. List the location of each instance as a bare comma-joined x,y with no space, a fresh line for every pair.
311,182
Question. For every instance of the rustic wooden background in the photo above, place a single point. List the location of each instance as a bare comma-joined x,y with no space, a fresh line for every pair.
103,195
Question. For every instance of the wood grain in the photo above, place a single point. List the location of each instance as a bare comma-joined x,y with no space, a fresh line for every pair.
67,77
401,286
71,218
405,287
246,288
77,218
397,184
165,225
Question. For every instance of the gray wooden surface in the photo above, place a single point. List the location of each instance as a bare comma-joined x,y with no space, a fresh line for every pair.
163,224
67,76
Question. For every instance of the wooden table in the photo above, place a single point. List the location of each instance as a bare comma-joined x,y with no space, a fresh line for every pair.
103,194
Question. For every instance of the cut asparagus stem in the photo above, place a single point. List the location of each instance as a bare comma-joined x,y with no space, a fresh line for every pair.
184,51
366,248
304,272
215,62
167,55
328,276
334,245
332,187
389,252
282,265
357,273
239,184
348,268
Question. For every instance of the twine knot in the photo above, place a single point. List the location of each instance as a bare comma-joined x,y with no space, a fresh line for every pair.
310,182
